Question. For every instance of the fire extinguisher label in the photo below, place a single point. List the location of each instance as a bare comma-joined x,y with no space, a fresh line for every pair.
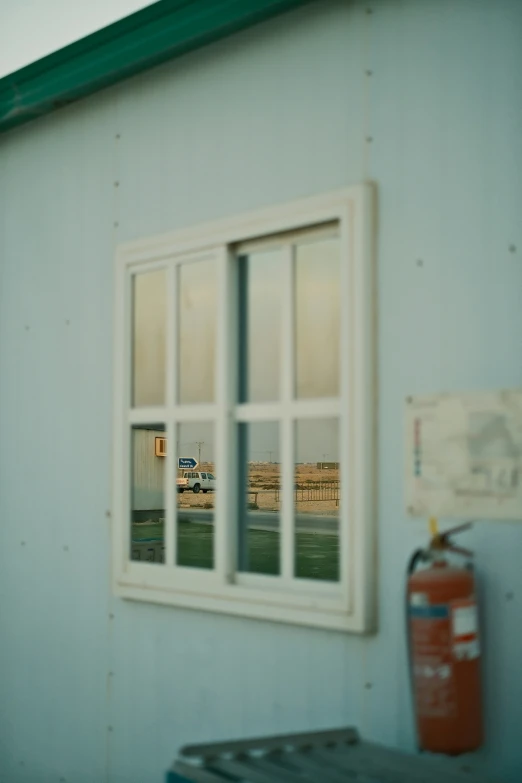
435,611
465,618
466,651
433,673
464,621
443,638
419,599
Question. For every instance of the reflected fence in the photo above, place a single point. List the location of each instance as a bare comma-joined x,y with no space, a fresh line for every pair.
324,491
316,492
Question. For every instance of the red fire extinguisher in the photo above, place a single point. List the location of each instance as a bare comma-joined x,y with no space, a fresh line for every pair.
444,648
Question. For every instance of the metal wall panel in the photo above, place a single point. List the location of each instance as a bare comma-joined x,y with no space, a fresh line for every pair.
149,472
423,98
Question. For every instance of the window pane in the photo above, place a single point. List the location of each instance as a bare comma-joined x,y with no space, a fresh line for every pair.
196,495
149,315
317,496
147,495
197,331
260,325
317,318
260,477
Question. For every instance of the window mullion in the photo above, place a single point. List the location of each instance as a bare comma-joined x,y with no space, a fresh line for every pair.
171,522
287,423
225,533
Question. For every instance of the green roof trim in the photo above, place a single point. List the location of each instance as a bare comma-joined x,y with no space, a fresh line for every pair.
159,32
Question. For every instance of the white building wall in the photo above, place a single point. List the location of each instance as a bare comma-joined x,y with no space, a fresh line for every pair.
424,98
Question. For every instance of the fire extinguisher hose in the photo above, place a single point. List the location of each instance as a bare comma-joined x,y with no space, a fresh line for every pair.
418,556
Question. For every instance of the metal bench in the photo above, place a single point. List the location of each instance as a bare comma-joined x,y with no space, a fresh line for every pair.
323,757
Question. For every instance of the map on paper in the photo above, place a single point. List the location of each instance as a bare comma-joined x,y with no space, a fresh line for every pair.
464,455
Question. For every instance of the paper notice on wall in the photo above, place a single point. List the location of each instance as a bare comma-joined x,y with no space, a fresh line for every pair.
464,455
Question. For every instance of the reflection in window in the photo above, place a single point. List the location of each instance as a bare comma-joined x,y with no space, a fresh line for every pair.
259,521
197,331
317,498
147,495
260,284
196,492
317,318
148,338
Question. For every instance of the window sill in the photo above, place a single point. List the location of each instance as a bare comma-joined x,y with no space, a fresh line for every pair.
327,609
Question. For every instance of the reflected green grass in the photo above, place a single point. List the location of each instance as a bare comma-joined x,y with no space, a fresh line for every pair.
317,555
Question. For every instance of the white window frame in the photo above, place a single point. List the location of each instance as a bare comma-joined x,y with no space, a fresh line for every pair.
347,605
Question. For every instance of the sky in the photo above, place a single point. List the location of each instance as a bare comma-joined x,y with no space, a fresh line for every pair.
30,29
316,440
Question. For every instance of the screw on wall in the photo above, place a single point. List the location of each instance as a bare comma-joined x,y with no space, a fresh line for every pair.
512,248
116,184
369,139
369,73
419,262
510,596
66,549
368,686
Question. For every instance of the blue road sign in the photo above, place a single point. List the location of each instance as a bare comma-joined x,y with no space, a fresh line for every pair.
187,463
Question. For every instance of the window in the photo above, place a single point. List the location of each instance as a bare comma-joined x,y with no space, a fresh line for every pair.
249,344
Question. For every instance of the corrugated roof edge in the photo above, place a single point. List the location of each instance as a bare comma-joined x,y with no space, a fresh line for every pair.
157,33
